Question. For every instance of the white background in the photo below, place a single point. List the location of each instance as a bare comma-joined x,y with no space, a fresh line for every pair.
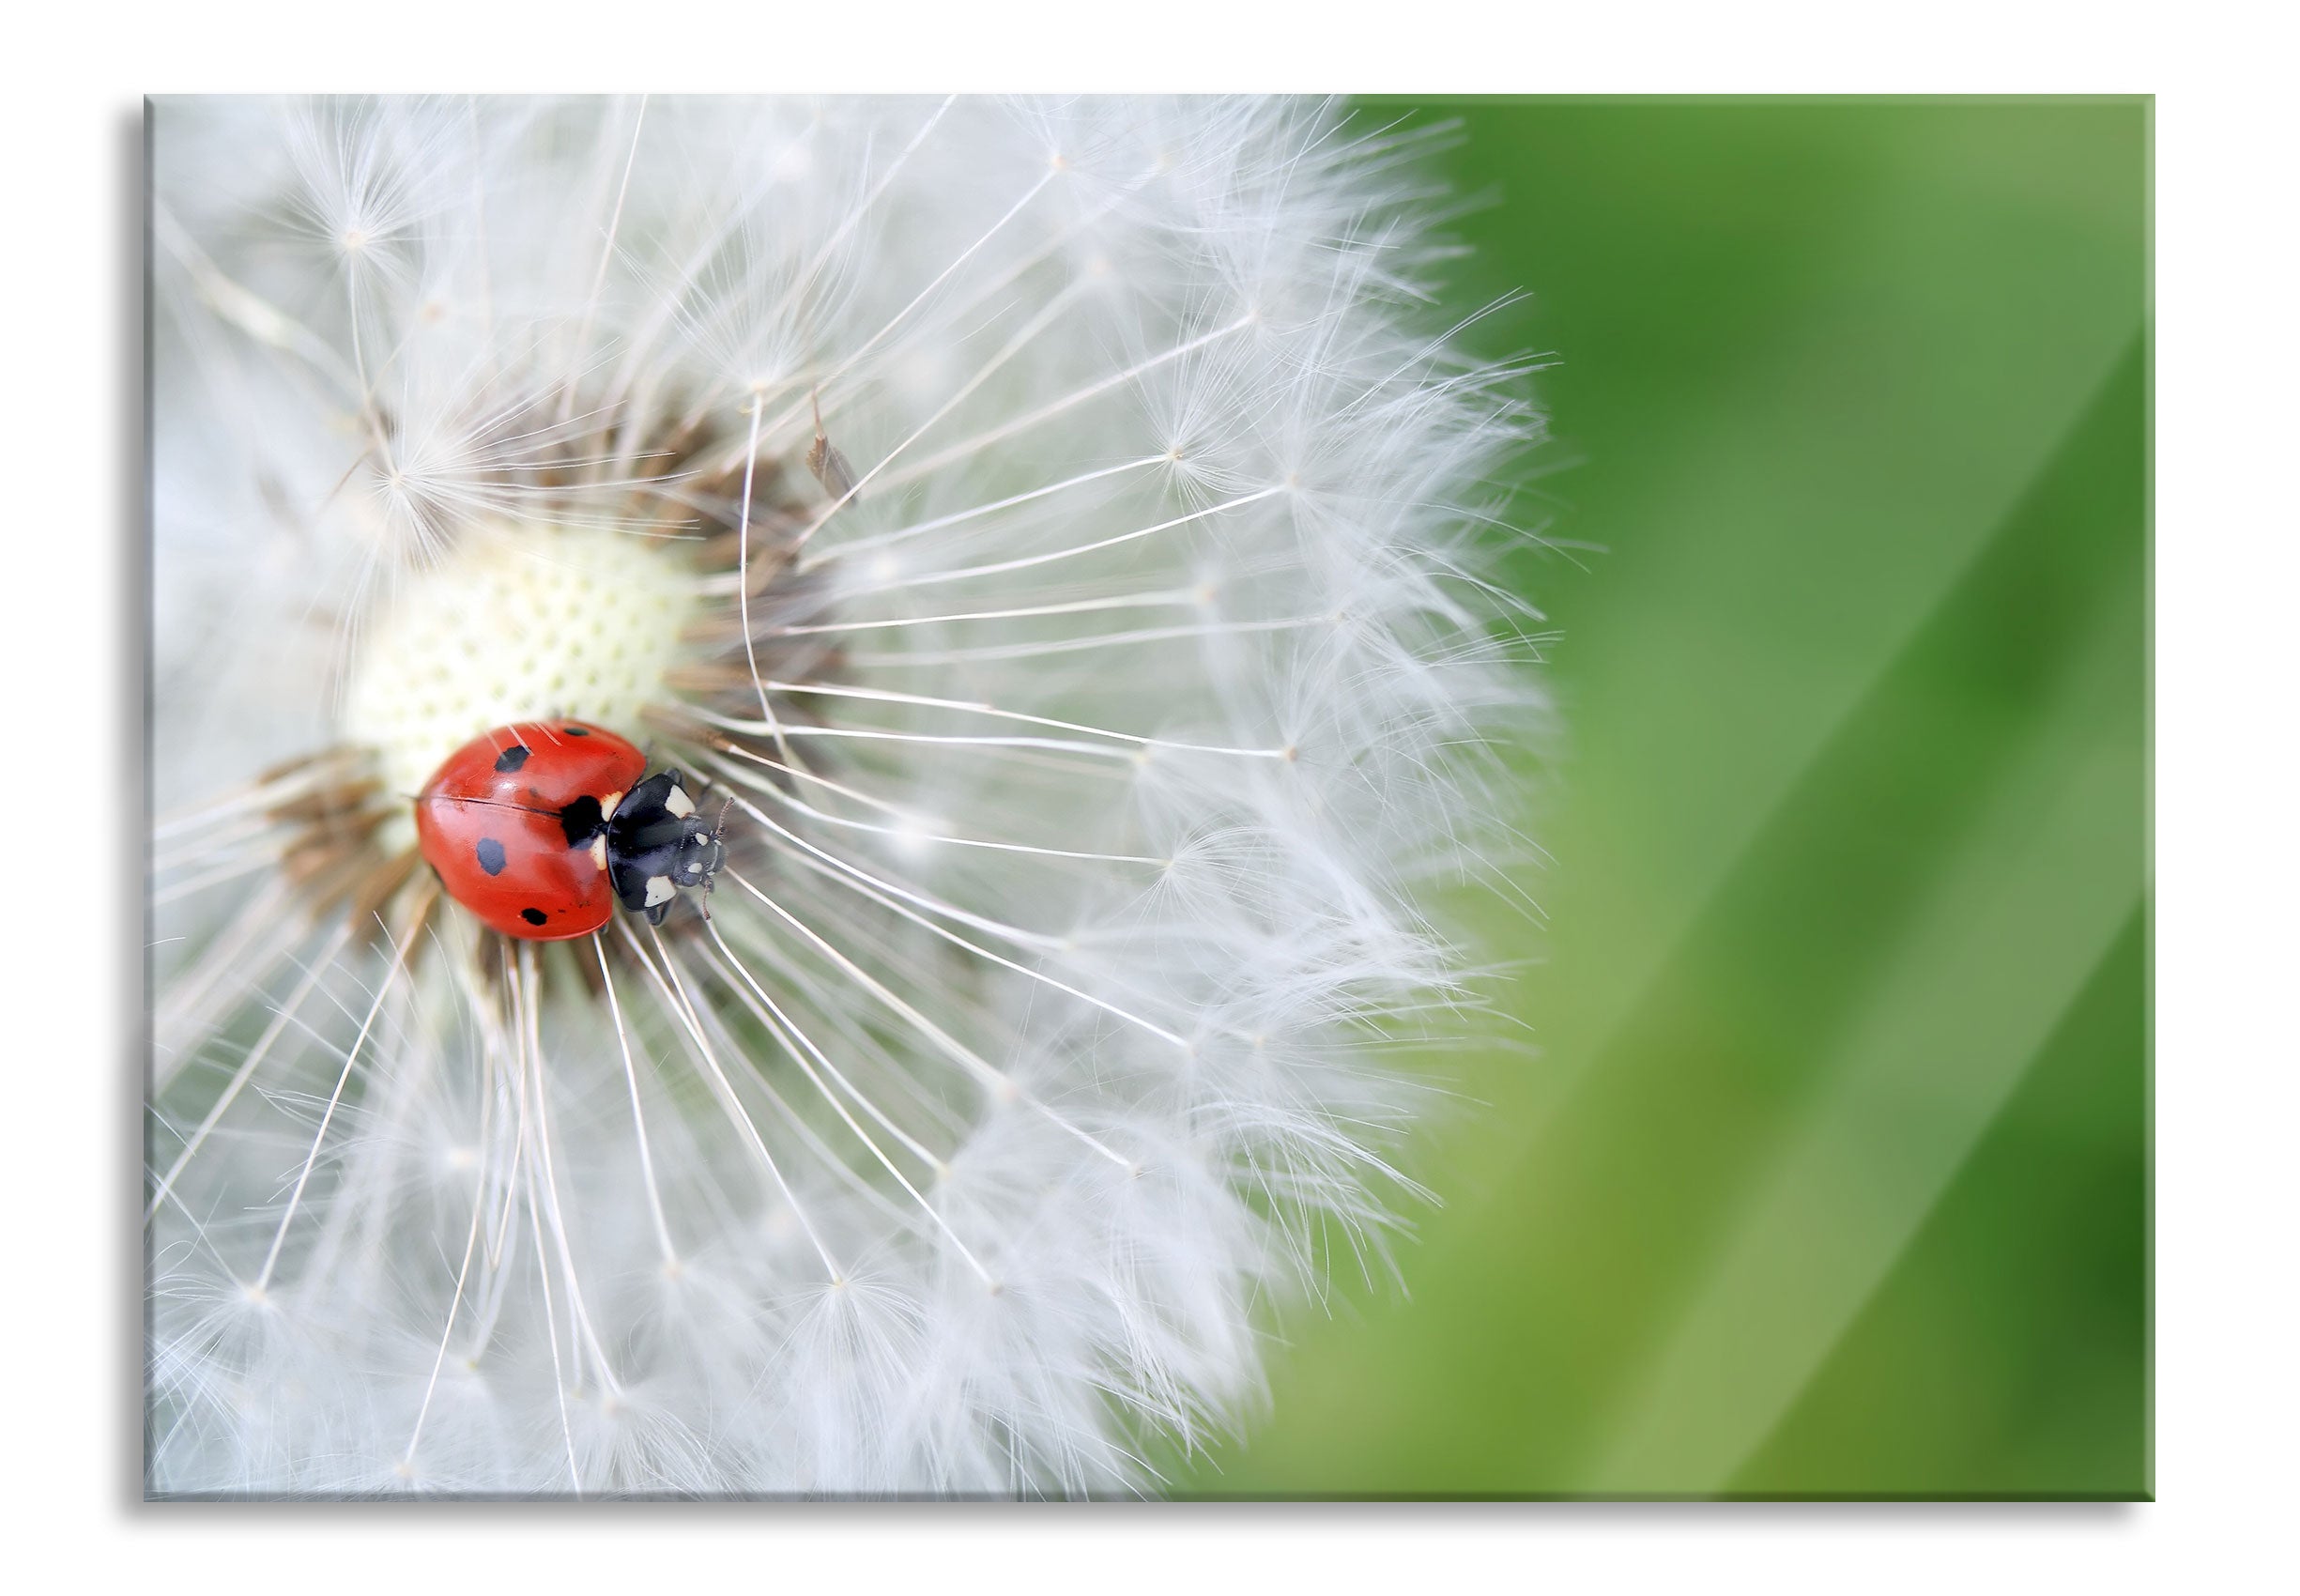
2226,953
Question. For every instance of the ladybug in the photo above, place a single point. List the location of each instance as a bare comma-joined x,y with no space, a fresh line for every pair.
539,828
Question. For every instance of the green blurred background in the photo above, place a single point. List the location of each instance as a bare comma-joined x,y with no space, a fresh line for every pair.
1831,1174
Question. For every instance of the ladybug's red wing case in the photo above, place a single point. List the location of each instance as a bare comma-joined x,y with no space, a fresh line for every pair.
513,822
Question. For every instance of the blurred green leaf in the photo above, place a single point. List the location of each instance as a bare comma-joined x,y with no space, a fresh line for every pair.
2007,1354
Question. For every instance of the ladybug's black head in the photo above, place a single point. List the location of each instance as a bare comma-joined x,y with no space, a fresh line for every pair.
657,843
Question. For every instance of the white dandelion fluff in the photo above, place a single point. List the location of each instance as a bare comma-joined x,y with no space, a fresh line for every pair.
1053,537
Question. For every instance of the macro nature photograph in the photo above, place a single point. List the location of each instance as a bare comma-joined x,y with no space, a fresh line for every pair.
974,797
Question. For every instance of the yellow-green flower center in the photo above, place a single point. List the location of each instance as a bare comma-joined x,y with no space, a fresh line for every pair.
519,622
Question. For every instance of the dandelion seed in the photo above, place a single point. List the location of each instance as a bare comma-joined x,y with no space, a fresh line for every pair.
1086,716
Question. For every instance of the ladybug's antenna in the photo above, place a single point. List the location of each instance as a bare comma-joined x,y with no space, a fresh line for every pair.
711,881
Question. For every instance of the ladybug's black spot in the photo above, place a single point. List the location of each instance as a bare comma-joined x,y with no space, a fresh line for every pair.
511,758
490,856
575,731
581,820
533,917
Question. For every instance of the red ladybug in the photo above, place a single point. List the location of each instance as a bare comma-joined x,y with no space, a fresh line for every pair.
540,828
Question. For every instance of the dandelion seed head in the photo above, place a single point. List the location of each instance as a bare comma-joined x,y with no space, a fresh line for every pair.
1054,537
